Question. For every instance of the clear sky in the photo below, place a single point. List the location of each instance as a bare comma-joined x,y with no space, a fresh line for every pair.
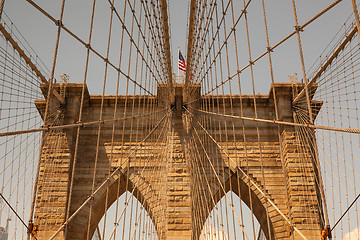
40,33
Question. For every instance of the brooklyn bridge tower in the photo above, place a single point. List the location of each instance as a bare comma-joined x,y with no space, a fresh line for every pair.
231,147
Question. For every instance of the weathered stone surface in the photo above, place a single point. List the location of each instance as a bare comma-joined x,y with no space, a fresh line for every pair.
281,170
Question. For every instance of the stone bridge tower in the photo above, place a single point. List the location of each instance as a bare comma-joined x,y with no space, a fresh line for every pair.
275,185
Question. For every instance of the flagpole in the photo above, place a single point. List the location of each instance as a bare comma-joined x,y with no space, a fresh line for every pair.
178,63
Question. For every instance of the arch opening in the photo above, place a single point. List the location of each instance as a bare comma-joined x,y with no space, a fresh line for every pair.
119,208
242,209
126,218
232,221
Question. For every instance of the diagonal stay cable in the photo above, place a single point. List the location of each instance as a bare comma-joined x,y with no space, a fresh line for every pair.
57,22
107,180
74,125
218,53
345,212
328,62
249,178
219,180
12,209
133,42
207,181
217,175
307,125
270,49
28,61
134,188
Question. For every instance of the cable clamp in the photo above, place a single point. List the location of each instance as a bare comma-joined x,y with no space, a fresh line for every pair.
46,126
81,123
298,28
58,23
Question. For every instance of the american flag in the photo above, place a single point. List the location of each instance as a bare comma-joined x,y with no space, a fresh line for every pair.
182,64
